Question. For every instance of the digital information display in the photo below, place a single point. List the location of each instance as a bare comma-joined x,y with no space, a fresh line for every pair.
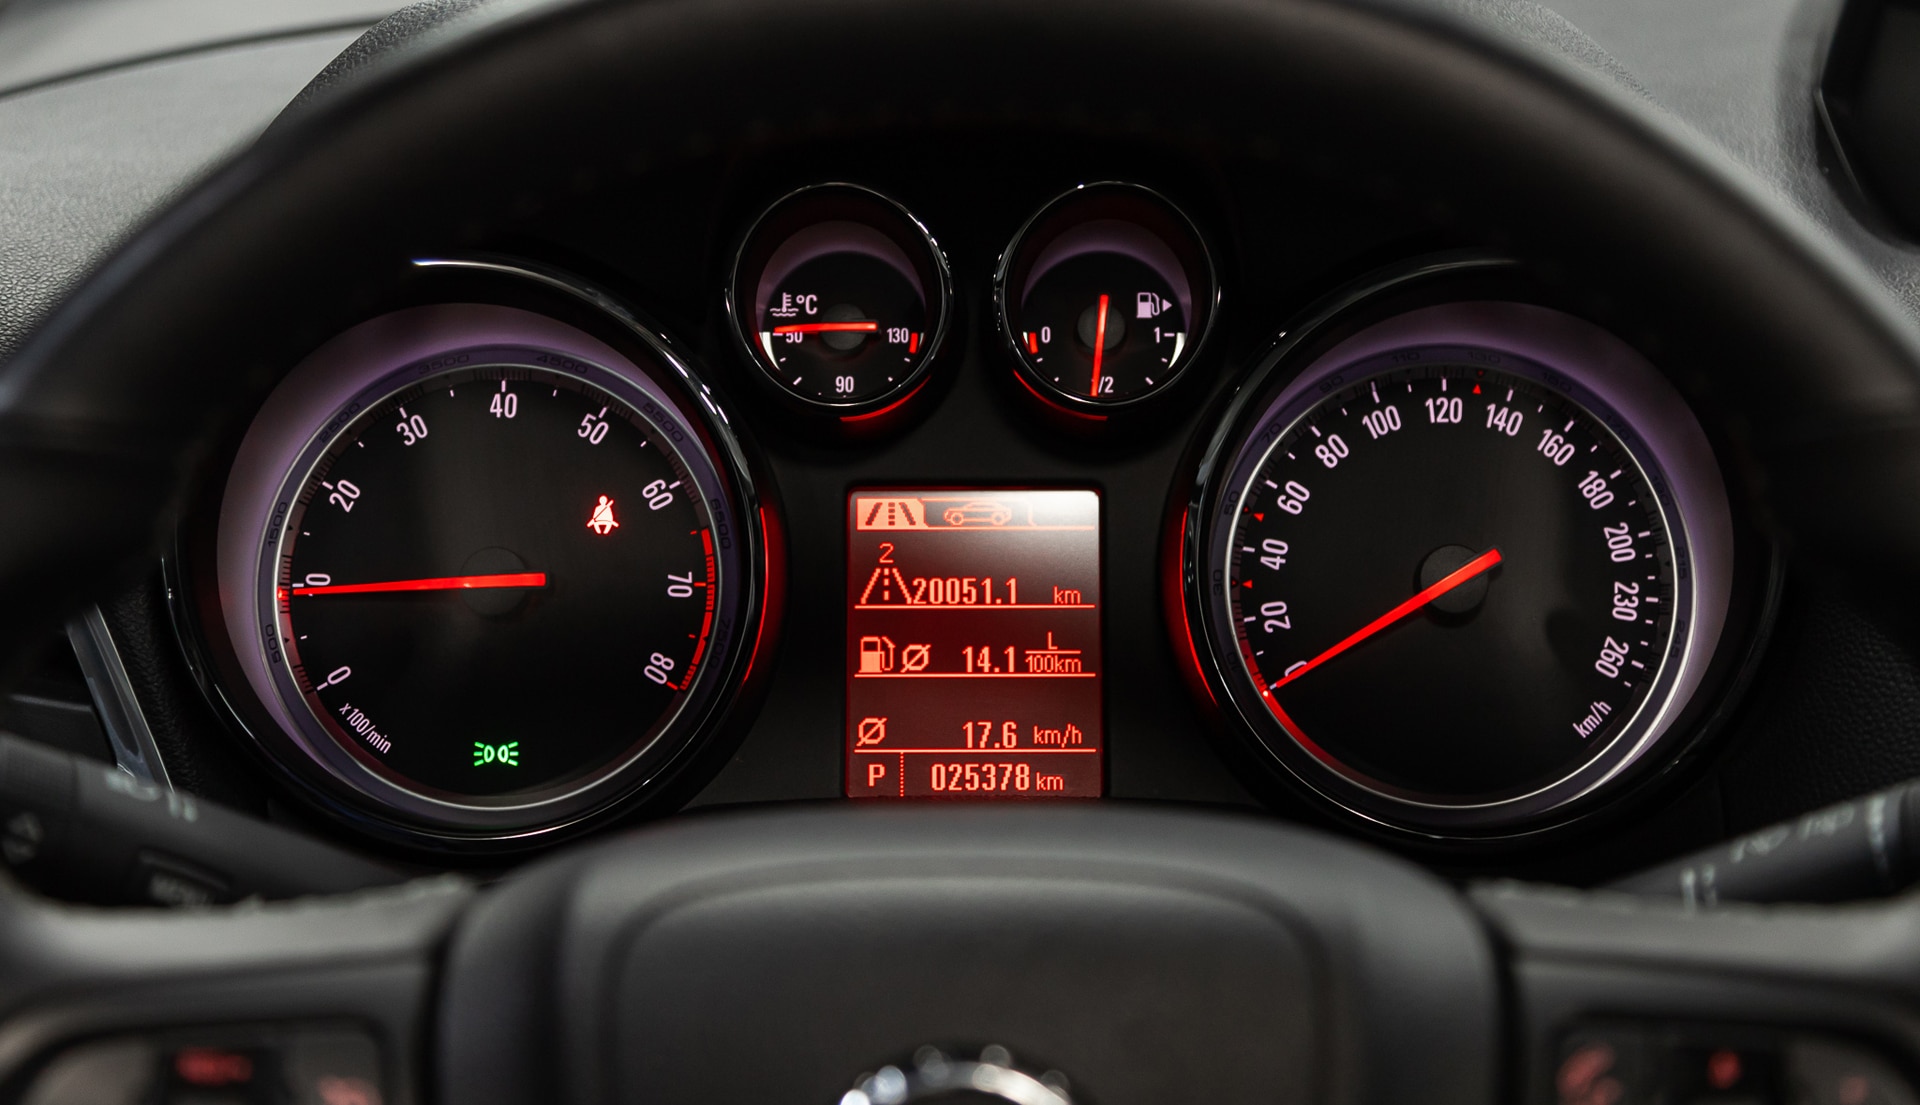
973,644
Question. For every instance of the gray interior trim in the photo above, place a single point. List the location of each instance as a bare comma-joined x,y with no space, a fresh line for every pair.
44,41
126,726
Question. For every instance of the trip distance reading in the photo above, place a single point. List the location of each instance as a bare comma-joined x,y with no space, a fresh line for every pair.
888,587
960,591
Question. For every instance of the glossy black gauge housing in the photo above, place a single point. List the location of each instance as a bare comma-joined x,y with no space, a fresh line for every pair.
1463,571
841,298
1105,297
486,574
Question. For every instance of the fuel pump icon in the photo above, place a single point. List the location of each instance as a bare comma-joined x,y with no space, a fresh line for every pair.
876,655
1149,305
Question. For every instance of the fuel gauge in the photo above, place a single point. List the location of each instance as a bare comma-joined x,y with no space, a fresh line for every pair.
1104,297
841,297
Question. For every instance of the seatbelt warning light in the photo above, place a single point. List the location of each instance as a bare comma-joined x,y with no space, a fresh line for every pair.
602,521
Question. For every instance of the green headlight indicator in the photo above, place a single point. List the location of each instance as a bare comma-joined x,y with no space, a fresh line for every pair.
507,755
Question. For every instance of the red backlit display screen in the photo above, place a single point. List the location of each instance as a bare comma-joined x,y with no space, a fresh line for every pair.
973,644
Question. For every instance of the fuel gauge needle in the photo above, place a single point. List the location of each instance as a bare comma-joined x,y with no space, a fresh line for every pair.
1448,582
440,583
1099,345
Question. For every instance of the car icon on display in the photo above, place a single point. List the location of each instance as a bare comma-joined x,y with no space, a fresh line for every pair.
980,512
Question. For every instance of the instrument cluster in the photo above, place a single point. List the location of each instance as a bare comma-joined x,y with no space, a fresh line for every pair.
1438,557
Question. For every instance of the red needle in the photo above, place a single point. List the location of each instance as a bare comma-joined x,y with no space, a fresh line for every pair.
1447,583
444,583
1099,345
828,328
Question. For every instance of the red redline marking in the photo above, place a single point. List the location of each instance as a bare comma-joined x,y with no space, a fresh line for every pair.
441,583
913,343
1099,346
706,625
1033,343
1458,576
828,328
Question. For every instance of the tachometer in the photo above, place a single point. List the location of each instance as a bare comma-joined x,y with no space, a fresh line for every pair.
495,579
503,580
1450,584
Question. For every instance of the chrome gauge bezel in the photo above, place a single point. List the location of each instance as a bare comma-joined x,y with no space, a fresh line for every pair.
939,304
1568,355
319,400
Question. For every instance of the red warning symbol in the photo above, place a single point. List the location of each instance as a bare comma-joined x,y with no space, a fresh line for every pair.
602,522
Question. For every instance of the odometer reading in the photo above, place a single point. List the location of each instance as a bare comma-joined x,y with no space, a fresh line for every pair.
497,580
973,644
1448,580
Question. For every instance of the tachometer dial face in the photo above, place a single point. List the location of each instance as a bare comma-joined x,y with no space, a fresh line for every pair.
498,584
1104,297
841,298
1448,586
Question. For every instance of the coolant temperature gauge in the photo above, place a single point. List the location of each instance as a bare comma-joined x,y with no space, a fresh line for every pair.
841,297
1104,296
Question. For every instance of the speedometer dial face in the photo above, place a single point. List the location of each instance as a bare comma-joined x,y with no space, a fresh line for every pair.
1452,580
498,584
1449,586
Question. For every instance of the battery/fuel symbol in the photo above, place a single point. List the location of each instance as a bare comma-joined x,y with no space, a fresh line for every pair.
876,655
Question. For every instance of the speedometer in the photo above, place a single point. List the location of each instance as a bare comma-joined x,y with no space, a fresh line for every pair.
1451,585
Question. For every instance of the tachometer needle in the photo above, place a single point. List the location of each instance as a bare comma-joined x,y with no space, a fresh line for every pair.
1099,346
866,327
442,583
1448,582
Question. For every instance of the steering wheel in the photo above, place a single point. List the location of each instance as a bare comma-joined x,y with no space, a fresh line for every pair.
1149,954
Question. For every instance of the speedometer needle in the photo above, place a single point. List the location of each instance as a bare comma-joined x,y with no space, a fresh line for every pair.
441,583
1448,582
1099,346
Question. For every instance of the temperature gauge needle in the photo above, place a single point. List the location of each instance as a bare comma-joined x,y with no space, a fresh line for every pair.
1099,345
1448,582
442,583
867,327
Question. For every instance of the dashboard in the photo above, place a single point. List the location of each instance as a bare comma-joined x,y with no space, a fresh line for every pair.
1029,461
1115,550
1094,481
